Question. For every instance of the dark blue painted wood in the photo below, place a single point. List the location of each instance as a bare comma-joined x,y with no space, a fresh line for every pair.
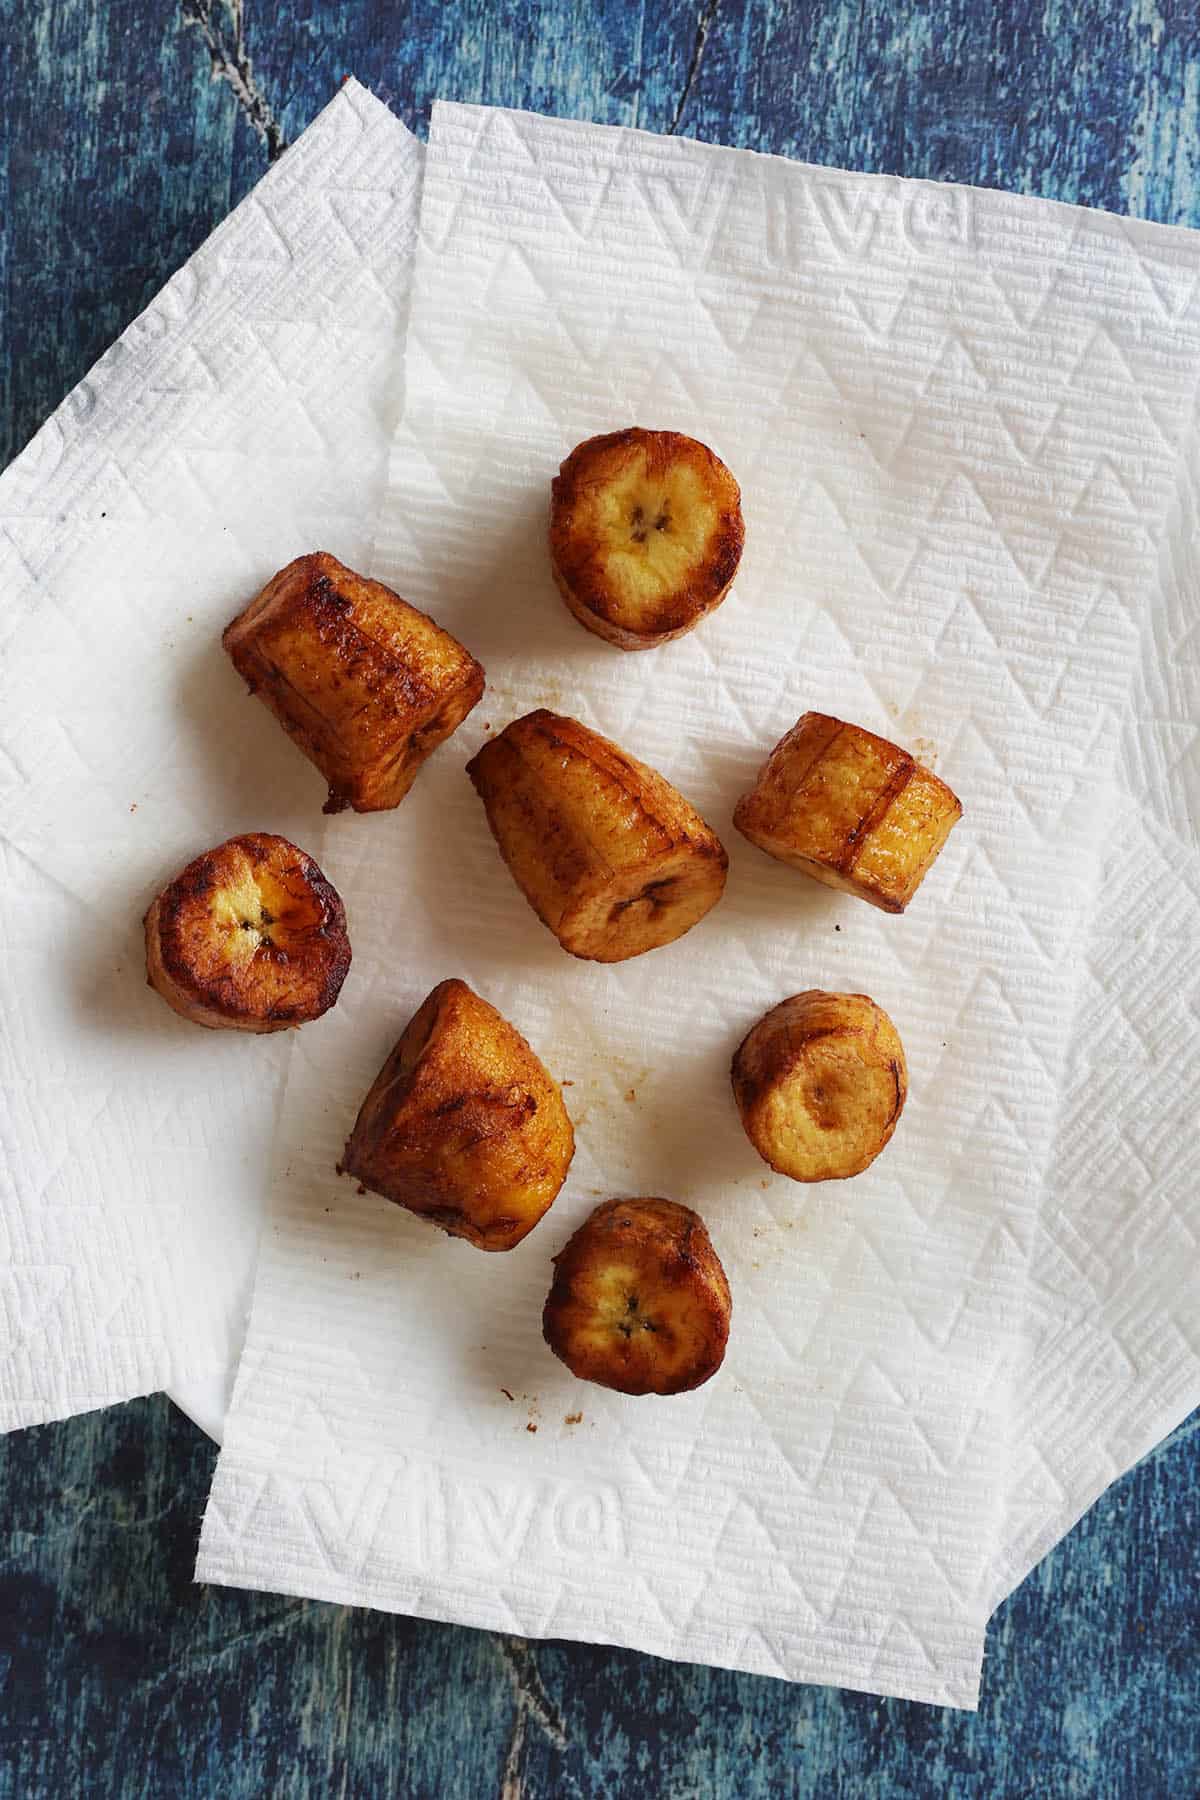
118,154
121,1677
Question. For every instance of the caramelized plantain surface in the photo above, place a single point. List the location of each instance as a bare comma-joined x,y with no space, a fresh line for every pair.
609,855
365,684
463,1125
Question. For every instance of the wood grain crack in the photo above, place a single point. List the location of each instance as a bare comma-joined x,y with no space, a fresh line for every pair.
534,1703
222,25
703,26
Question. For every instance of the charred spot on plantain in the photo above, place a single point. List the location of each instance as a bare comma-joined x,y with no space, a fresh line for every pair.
898,1078
325,594
449,1216
653,892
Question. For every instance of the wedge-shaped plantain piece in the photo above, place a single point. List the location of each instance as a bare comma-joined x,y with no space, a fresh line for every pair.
463,1125
850,809
250,937
365,684
646,534
608,854
820,1082
639,1301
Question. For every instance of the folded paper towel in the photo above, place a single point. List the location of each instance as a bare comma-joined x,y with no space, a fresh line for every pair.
1111,1351
148,1294
242,418
956,417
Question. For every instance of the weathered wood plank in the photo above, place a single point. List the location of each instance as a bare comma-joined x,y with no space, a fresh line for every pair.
118,1676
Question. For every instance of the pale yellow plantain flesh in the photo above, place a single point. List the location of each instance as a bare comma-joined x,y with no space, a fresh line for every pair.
362,682
249,937
610,856
850,809
639,1301
820,1083
463,1125
646,533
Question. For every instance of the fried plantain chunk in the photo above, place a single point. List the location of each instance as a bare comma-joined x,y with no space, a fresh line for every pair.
646,534
850,809
361,681
249,937
820,1083
609,855
639,1300
464,1126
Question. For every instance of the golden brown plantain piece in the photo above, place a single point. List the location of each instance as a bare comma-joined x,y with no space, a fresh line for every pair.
249,937
365,684
646,534
463,1125
639,1301
850,809
608,854
820,1083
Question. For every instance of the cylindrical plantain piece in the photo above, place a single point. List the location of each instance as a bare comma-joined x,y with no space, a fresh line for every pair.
639,1301
463,1125
646,534
250,937
850,809
608,854
820,1082
365,684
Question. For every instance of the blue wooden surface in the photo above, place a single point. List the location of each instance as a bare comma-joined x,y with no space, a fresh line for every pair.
119,152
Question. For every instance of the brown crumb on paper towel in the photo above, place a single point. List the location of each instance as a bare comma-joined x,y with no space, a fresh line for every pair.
531,1426
507,1394
573,1418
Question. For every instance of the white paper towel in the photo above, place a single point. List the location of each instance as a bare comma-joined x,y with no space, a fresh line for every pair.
243,418
1111,1354
956,418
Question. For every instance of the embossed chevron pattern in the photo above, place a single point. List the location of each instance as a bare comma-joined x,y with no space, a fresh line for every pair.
957,418
1112,1351
244,414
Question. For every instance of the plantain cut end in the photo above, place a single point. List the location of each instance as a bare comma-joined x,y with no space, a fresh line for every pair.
250,936
646,534
640,1301
820,1083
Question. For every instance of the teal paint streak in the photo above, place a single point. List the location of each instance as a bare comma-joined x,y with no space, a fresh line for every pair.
118,154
